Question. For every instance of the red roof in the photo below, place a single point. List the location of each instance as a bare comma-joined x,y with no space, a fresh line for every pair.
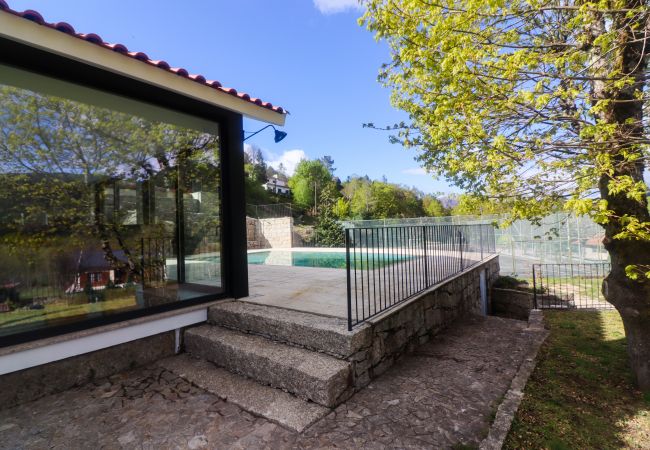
66,28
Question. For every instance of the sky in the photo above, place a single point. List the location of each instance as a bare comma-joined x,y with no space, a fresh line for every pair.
309,56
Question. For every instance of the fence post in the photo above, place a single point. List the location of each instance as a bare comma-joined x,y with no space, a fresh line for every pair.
481,227
426,259
460,248
534,288
347,265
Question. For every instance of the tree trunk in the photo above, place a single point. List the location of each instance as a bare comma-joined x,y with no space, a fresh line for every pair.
632,300
625,110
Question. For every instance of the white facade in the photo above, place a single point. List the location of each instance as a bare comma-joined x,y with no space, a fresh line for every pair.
277,186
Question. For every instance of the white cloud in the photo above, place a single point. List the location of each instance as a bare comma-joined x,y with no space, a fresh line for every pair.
289,159
336,6
415,171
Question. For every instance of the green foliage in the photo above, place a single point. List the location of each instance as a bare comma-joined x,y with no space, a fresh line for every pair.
540,105
329,233
308,180
255,166
369,199
433,207
469,205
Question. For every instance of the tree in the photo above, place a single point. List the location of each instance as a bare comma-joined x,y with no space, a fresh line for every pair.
255,165
541,103
474,205
329,232
433,207
328,162
307,181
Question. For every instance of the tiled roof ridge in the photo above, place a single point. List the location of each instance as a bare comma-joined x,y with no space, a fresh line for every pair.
66,28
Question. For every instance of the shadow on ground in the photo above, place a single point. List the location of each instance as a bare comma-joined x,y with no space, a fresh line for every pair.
581,394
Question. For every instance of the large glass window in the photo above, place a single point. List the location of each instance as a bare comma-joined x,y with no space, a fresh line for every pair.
107,205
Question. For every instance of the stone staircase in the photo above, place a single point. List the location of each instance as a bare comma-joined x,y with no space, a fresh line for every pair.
301,360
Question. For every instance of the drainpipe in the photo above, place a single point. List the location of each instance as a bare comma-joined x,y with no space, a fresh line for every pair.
177,341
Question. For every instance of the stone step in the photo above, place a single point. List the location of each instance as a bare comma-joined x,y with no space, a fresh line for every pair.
316,332
314,376
273,404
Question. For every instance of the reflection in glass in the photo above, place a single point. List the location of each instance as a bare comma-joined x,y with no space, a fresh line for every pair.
102,210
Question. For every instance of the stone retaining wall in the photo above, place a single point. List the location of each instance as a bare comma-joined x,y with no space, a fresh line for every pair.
30,384
402,329
269,233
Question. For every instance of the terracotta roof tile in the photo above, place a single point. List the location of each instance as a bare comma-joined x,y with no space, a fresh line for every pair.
66,28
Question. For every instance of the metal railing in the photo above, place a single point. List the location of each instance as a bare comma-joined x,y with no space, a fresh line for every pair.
570,286
389,265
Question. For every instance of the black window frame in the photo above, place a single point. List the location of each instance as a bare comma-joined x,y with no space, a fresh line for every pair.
235,268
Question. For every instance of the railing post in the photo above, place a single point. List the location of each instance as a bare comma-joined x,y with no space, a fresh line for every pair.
347,265
481,239
426,259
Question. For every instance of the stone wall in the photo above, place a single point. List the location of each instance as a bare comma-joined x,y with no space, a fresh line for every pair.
511,303
252,232
30,384
269,233
403,329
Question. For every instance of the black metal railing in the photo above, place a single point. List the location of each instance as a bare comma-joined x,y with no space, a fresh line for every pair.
570,286
387,266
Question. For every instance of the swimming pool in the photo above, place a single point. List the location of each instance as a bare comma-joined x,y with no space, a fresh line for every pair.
315,258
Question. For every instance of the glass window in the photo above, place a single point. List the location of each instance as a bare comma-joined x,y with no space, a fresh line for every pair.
107,205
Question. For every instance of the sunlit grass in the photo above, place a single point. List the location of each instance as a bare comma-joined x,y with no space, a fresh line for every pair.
581,394
62,309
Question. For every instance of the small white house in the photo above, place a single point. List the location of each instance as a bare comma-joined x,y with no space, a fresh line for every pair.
277,186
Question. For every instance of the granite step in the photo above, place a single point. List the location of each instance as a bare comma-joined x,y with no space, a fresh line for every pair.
321,333
273,404
310,375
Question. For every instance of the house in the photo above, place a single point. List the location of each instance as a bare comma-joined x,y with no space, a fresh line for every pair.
277,186
95,271
154,184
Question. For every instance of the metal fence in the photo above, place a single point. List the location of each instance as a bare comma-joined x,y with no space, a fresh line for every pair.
570,286
388,265
559,238
272,211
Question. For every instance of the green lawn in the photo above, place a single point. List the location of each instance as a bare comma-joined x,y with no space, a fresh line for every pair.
581,395
122,299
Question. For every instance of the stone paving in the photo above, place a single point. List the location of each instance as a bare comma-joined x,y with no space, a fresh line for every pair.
442,396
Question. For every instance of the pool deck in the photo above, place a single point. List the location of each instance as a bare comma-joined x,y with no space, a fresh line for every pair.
309,289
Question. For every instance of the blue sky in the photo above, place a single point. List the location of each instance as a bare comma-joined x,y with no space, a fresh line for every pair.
309,56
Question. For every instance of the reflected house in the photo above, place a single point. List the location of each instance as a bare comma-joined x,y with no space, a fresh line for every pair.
95,272
115,169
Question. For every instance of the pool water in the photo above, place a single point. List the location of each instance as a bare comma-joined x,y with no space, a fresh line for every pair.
331,260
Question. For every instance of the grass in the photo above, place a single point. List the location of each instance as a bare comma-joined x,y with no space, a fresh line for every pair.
581,394
63,309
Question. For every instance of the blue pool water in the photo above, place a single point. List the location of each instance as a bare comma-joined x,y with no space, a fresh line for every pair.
332,260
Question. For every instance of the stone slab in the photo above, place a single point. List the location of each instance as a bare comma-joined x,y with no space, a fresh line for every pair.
310,375
310,289
272,404
317,332
512,399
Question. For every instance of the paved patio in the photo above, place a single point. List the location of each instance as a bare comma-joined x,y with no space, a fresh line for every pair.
443,395
324,291
309,289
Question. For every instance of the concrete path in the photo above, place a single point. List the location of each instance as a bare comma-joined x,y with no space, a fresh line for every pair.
444,395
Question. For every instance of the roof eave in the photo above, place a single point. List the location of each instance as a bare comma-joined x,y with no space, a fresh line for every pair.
30,33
